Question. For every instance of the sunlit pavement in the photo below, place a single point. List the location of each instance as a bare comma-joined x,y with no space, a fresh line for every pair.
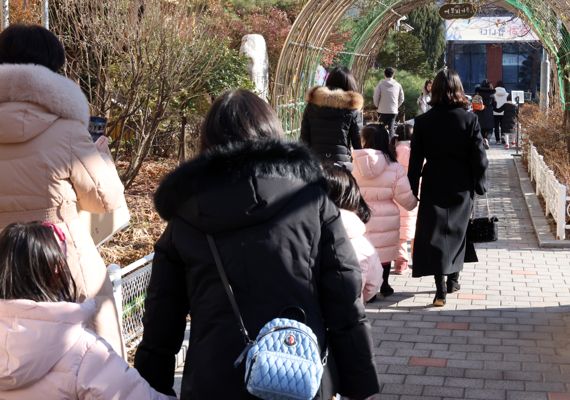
504,335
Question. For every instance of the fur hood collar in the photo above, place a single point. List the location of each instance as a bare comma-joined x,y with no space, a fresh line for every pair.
27,83
237,184
322,96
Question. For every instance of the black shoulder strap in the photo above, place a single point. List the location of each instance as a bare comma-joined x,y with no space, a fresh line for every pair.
227,286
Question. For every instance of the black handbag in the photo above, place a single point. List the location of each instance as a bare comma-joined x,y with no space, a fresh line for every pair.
485,229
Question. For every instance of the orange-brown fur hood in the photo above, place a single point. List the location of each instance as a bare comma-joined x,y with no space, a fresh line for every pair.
322,96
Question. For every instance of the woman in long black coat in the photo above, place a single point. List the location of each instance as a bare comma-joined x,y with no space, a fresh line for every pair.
333,118
282,245
448,139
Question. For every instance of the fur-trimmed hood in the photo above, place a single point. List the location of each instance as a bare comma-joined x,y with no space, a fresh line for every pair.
323,96
237,185
58,95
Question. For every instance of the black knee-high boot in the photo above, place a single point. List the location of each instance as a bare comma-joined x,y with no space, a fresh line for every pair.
439,299
386,290
453,282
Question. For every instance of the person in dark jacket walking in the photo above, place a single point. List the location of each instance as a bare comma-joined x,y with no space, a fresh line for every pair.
486,117
509,119
448,139
283,247
333,118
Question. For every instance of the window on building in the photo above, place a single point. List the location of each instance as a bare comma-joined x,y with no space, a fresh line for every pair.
470,62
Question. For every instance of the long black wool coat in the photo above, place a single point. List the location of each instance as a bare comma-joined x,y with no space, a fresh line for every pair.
282,244
449,141
486,118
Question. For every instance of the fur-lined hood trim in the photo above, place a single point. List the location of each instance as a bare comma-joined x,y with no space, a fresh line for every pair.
322,96
227,181
28,83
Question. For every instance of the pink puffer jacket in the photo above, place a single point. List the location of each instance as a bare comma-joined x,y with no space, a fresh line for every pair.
46,353
51,168
365,252
383,185
407,218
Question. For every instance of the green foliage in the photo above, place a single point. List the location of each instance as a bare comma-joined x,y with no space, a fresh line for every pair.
411,83
230,73
403,51
429,29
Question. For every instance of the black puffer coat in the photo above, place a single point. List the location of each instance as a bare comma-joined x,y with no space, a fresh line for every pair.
331,123
510,116
486,117
282,244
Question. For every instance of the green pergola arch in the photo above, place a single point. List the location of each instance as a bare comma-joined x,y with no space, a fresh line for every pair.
304,47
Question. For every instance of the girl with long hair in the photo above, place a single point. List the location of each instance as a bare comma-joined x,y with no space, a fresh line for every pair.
384,186
46,350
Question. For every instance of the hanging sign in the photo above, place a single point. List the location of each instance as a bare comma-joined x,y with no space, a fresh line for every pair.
457,11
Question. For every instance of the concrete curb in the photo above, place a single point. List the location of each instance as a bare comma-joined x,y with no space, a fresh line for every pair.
541,227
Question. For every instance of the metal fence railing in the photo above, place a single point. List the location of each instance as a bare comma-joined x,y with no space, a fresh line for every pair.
129,289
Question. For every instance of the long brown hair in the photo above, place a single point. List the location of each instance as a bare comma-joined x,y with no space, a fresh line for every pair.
447,90
33,266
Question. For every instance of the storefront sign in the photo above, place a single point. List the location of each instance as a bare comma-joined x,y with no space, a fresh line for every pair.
457,11
490,29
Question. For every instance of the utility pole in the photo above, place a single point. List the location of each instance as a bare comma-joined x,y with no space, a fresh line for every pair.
544,81
45,13
5,13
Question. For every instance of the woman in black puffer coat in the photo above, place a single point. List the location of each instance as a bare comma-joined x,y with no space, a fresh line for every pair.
333,118
282,245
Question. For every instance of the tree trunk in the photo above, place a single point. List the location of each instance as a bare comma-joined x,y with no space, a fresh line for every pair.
182,142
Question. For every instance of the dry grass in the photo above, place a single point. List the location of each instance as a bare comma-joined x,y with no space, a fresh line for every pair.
547,133
146,226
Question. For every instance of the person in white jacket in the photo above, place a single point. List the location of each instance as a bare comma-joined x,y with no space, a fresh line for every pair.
45,351
501,95
388,97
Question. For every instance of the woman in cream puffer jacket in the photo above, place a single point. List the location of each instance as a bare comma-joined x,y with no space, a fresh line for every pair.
50,165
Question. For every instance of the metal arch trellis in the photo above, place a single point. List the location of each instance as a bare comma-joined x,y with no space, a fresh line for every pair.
305,44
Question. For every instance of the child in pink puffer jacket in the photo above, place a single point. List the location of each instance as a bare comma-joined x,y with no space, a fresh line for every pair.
354,212
46,351
384,185
407,218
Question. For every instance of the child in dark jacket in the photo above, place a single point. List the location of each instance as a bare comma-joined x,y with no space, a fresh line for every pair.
509,120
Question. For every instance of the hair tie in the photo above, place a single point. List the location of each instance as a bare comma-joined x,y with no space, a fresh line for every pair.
59,234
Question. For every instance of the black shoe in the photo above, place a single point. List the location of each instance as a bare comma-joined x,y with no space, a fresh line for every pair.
452,286
439,300
386,290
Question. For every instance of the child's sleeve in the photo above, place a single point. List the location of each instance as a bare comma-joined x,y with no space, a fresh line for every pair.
403,194
103,374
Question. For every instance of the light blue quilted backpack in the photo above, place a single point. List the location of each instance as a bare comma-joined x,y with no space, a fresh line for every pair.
284,362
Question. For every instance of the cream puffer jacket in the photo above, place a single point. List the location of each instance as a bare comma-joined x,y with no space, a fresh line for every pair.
46,353
366,253
407,218
50,168
383,185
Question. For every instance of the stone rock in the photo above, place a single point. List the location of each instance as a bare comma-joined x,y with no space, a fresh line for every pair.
253,46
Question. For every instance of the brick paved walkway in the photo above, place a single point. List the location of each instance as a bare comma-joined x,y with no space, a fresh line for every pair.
505,335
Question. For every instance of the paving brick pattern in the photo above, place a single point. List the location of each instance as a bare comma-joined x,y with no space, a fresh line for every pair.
505,335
